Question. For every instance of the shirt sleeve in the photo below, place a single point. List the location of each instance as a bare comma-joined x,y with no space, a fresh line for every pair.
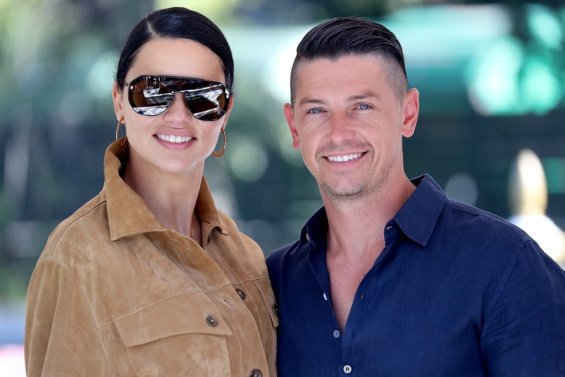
61,338
524,331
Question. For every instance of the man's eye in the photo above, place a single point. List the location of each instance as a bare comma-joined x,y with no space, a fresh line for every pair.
364,106
315,110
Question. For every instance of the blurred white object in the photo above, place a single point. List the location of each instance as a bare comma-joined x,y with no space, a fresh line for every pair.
12,360
528,202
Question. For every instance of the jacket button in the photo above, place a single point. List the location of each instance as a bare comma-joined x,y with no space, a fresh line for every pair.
241,294
211,321
256,373
276,309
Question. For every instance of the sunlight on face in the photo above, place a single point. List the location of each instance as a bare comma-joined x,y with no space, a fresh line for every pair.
174,142
348,121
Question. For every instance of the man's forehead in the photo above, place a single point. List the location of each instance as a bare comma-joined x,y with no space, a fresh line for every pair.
359,72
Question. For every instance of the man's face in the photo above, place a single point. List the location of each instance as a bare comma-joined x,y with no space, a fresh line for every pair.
348,119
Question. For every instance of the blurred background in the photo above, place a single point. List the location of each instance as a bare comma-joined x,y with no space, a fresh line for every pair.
491,78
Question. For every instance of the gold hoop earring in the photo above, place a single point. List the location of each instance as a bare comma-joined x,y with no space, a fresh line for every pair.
220,153
120,122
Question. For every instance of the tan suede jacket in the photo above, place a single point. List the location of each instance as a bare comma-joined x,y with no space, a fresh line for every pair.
114,293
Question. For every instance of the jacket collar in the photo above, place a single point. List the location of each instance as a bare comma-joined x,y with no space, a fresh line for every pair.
127,212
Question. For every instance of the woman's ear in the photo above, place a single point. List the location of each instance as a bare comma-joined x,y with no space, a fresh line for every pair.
117,99
228,111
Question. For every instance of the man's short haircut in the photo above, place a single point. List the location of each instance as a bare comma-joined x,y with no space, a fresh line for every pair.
348,36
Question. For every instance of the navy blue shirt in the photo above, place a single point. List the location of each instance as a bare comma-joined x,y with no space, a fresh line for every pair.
456,292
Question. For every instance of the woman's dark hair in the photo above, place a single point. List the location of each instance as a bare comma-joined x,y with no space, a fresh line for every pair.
176,22
347,35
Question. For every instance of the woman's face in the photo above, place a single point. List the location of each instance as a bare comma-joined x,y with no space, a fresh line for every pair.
173,142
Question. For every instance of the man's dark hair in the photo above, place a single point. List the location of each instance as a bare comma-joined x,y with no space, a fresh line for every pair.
344,36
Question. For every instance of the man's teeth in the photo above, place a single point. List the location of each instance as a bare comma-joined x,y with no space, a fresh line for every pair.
174,139
344,158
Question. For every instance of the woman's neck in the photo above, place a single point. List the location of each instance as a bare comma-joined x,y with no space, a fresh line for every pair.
171,198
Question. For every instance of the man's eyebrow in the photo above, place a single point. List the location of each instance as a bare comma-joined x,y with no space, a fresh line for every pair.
310,101
365,95
356,97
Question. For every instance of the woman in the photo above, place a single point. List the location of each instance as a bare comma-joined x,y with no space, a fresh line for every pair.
149,278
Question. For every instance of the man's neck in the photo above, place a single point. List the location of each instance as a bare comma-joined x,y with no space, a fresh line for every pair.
356,240
356,225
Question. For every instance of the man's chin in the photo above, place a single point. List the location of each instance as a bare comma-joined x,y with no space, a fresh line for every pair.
342,191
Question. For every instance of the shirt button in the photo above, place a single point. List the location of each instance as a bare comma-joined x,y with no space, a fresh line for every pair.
241,293
211,321
389,227
337,334
347,369
255,373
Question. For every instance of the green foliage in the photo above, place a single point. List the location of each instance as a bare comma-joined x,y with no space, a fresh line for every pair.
57,61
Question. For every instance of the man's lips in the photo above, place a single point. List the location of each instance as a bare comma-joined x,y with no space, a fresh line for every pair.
344,157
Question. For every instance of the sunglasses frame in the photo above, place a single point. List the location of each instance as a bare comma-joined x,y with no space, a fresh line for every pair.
189,95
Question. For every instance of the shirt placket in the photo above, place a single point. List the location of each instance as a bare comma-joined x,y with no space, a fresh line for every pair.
344,344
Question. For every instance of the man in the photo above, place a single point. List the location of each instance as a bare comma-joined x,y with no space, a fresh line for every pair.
391,278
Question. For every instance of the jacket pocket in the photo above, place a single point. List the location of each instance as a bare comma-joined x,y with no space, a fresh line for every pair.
183,335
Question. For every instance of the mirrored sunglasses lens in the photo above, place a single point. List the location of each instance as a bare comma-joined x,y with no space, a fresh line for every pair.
149,97
204,109
210,104
150,110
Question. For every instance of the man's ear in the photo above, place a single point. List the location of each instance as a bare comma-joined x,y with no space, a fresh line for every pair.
410,109
289,115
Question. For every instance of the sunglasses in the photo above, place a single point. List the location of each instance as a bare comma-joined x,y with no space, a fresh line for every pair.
152,95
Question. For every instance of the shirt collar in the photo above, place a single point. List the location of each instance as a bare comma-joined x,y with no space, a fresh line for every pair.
419,215
316,228
127,212
417,218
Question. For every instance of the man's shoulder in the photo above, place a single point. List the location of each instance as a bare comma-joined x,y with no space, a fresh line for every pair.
481,231
277,255
459,210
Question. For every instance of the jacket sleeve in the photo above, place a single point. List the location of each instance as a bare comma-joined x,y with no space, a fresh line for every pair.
524,332
61,338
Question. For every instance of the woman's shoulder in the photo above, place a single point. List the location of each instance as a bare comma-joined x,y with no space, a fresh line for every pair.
231,228
86,226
